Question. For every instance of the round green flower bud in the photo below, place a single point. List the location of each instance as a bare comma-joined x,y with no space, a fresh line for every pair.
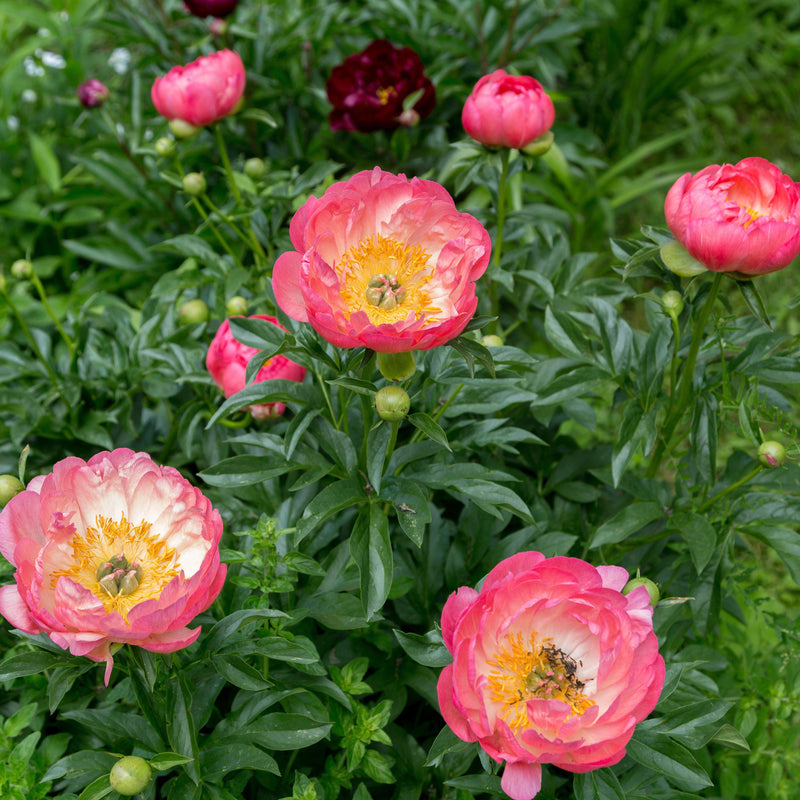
538,147
10,486
182,129
392,403
491,340
397,366
165,146
236,306
255,168
22,268
772,454
130,775
194,183
193,312
672,303
652,589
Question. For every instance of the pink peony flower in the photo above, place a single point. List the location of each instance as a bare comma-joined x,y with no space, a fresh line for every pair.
368,90
227,361
203,91
384,262
110,551
741,218
507,110
92,93
552,664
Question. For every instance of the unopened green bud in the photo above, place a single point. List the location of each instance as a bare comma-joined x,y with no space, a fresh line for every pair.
677,260
193,312
538,147
165,146
130,775
182,129
236,306
194,183
255,168
651,587
392,403
672,303
491,340
10,486
772,454
22,268
396,366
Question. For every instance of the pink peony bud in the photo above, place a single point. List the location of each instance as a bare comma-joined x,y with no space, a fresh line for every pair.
771,454
201,92
92,93
742,218
227,361
507,110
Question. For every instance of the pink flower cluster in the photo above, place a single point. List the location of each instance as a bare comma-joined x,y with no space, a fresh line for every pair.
111,551
552,664
383,262
227,361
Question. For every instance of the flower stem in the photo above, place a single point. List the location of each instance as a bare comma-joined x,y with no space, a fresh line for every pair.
678,407
746,479
43,295
226,162
501,215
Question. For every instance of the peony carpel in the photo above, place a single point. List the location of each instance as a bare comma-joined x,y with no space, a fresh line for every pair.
202,92
110,551
383,262
507,110
552,664
227,360
742,218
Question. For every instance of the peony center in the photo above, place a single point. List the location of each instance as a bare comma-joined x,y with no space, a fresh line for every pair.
536,669
385,94
120,563
388,280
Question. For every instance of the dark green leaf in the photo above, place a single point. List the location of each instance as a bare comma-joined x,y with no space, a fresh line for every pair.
333,498
429,427
699,534
371,550
628,521
217,762
428,650
670,759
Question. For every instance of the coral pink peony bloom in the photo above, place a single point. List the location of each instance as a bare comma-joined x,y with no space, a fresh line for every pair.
368,90
227,361
507,110
384,262
741,218
552,664
203,91
109,551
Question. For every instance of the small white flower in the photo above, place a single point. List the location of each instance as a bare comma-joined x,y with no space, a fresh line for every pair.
13,123
120,60
29,96
50,59
32,68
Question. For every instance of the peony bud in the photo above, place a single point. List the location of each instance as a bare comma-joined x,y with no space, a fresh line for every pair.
491,340
22,268
10,486
651,587
92,93
396,366
771,454
218,27
194,183
130,775
255,168
236,306
165,146
672,303
392,403
193,312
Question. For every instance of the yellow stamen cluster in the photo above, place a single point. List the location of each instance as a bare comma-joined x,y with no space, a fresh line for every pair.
384,94
125,548
533,669
386,279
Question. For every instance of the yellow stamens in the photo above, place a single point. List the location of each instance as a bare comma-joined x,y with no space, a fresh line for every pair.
754,215
386,279
385,94
537,669
120,563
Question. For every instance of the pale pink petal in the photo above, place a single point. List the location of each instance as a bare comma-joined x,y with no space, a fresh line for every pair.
521,781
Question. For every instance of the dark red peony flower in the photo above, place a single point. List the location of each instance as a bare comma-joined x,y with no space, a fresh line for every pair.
211,8
367,90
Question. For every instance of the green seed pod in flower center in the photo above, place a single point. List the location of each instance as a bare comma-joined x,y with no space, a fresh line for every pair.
130,775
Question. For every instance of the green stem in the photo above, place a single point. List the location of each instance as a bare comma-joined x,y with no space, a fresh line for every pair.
501,216
219,237
673,369
43,295
323,386
226,162
418,433
227,220
678,407
711,500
